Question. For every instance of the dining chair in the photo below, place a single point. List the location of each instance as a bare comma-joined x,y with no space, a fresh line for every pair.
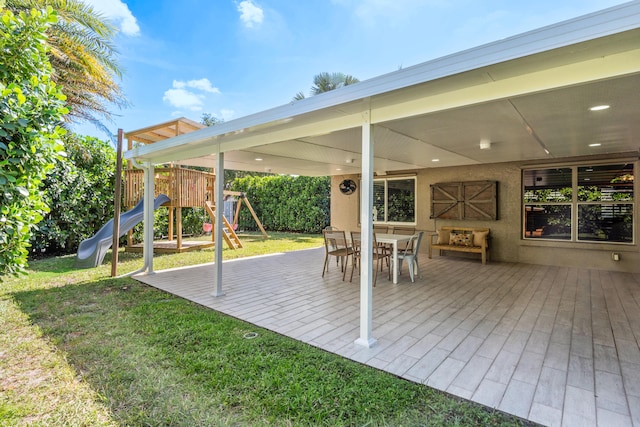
406,231
335,244
380,228
332,228
380,254
410,254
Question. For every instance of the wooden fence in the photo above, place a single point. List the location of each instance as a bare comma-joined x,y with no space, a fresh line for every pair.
185,187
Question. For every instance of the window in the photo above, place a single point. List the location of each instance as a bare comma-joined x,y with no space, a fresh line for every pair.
581,203
394,200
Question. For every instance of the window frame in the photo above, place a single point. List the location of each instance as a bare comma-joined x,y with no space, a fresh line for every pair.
386,200
575,203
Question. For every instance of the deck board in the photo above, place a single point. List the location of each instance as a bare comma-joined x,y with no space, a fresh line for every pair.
555,345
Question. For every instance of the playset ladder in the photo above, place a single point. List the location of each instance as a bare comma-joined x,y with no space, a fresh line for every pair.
228,233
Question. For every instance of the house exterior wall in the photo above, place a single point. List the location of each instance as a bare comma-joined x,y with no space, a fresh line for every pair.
507,243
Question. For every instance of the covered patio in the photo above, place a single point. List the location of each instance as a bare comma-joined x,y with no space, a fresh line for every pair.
531,97
555,345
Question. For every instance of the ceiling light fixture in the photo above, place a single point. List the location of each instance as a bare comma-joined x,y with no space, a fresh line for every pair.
258,159
599,107
595,144
349,161
435,160
485,144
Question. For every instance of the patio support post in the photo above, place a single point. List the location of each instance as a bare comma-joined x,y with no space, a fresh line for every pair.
149,193
219,202
366,223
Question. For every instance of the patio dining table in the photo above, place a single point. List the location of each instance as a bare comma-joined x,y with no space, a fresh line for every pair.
393,239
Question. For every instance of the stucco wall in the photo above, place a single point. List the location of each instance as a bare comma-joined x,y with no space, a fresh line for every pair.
507,242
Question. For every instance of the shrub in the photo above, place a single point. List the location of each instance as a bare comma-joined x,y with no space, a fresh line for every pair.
286,203
31,110
80,192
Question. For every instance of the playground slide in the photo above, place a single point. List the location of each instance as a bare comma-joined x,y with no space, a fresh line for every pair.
91,251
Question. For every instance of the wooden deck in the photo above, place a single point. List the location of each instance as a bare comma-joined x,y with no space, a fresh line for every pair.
558,346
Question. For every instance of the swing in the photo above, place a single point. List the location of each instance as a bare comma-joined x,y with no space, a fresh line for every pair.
206,226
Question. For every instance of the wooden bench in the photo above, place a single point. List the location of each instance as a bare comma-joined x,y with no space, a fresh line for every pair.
474,240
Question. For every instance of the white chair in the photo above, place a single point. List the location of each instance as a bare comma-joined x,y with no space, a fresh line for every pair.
410,253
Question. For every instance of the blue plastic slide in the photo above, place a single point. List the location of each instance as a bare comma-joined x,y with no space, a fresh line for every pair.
91,251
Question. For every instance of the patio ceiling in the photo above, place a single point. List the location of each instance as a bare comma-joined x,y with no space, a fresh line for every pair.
529,96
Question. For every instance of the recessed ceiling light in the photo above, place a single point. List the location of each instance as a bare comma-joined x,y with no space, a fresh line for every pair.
258,159
595,144
435,160
338,169
599,107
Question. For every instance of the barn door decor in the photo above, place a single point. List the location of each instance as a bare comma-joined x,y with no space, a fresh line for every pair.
470,200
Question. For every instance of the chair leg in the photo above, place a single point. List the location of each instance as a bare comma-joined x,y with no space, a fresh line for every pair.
375,274
344,268
325,266
353,266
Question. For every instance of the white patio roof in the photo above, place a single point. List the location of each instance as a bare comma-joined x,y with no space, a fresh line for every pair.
529,95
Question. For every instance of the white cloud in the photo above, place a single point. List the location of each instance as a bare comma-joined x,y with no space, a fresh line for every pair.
203,84
180,95
250,14
119,13
181,98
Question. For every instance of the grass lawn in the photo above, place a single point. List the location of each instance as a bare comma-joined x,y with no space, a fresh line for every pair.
79,348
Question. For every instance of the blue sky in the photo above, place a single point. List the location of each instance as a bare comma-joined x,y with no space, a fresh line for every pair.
231,58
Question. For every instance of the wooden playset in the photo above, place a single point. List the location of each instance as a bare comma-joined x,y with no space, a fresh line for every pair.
185,187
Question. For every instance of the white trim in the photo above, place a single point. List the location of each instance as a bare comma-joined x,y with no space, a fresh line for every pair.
219,203
366,243
149,195
339,109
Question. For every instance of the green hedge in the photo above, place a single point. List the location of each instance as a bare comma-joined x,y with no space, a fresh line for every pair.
80,192
31,110
285,203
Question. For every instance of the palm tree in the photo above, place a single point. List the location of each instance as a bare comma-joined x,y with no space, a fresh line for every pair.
324,82
82,57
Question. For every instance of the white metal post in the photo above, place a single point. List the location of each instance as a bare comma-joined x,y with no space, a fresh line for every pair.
219,194
149,193
366,223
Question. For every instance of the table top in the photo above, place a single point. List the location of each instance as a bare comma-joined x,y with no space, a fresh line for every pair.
391,238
